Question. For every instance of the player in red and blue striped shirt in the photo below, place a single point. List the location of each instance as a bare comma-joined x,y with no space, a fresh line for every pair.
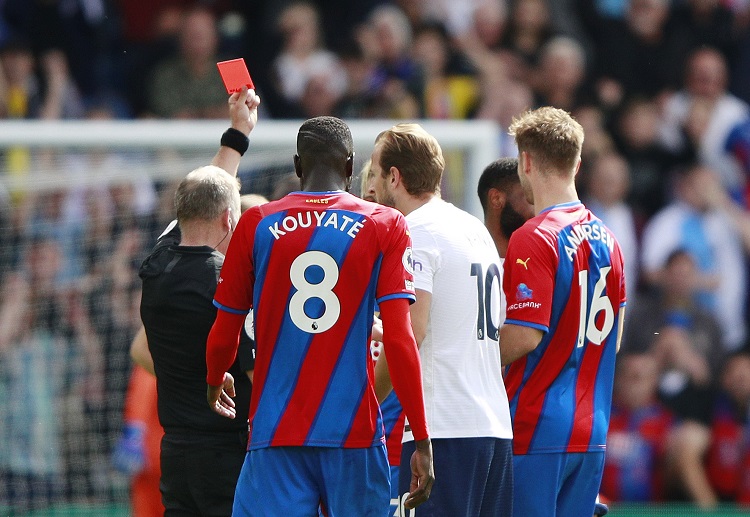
312,266
565,290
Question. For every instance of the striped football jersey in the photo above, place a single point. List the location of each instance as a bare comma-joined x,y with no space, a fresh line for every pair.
564,276
312,266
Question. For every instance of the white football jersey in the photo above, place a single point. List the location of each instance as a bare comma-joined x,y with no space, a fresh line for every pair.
455,259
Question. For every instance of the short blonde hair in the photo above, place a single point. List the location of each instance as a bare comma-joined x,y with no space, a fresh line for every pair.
248,201
364,177
416,154
551,135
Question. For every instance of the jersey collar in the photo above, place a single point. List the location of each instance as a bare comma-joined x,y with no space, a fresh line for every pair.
569,204
325,193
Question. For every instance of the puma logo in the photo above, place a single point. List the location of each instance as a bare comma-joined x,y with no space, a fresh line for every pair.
523,263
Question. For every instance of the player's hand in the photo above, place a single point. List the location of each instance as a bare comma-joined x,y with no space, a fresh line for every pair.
243,110
220,397
422,474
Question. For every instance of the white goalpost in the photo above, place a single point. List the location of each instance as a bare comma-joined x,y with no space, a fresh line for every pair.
474,144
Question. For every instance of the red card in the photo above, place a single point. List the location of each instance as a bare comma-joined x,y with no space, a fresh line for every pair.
235,75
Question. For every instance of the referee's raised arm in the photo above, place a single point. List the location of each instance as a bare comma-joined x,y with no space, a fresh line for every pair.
243,113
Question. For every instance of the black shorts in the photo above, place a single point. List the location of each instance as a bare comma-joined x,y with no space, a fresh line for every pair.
199,472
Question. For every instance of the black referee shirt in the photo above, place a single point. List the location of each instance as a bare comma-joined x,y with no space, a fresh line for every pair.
177,312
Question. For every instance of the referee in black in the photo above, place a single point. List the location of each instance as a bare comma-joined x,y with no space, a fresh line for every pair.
201,452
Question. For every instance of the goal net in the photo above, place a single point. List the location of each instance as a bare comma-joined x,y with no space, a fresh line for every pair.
81,203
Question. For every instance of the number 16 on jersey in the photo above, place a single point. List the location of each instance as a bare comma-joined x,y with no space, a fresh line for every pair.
590,309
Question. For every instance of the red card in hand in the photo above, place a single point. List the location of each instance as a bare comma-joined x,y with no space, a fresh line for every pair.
235,75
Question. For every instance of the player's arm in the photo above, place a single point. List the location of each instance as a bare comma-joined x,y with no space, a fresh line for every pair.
383,384
620,327
243,113
406,374
233,298
221,350
139,352
518,340
420,314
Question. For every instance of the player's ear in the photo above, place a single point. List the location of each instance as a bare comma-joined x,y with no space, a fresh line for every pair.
395,176
227,219
496,198
578,167
297,166
350,165
524,163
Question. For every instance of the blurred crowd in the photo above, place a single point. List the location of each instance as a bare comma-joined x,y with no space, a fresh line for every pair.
661,87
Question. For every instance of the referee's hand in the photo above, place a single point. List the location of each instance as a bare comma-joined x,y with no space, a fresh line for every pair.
243,110
220,397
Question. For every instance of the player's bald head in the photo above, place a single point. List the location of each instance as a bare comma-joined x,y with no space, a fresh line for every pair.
205,194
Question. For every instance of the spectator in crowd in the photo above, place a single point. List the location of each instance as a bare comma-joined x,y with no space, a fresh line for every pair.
188,85
709,23
489,20
303,59
703,115
21,92
558,78
46,341
62,99
501,100
320,97
683,338
390,41
635,135
148,42
692,223
529,28
597,143
451,88
738,147
638,55
608,183
53,214
363,97
640,429
713,458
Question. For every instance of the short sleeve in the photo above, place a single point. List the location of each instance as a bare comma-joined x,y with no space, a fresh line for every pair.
529,279
234,293
396,278
425,261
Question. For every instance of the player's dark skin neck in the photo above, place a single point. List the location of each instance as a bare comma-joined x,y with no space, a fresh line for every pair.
322,178
492,222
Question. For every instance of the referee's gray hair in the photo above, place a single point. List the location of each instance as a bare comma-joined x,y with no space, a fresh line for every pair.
205,194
